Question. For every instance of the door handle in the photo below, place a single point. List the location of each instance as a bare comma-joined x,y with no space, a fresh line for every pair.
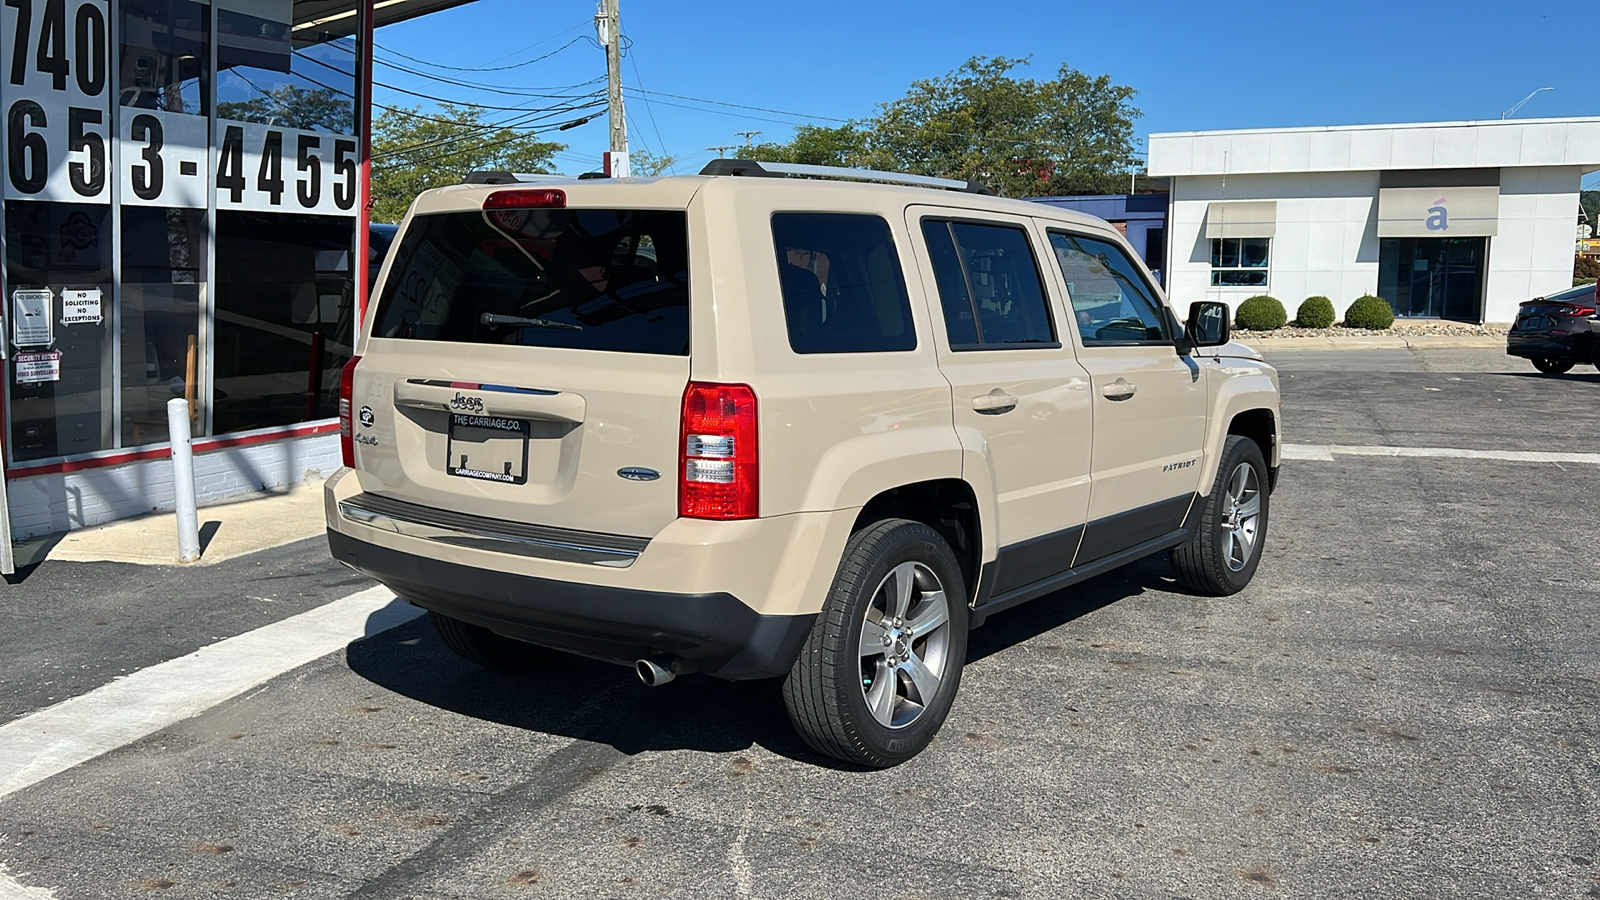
1120,389
994,403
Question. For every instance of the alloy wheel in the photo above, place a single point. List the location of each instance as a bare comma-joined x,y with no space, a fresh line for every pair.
1241,516
905,643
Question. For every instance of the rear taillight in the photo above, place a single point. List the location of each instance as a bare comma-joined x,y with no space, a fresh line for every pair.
1575,311
718,475
347,431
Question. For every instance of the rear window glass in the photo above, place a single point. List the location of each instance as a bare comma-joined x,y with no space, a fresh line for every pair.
843,288
588,279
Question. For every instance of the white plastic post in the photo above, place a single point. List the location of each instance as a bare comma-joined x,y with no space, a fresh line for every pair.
183,480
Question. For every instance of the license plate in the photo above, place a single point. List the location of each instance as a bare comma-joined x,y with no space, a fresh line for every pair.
487,448
1531,323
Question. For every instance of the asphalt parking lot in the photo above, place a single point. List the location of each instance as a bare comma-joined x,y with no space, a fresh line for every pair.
1403,703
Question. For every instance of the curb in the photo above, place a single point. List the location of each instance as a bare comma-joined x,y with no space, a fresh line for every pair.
1386,342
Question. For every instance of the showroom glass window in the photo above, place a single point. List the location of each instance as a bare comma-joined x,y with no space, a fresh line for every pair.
284,317
58,254
272,74
1240,261
163,269
164,56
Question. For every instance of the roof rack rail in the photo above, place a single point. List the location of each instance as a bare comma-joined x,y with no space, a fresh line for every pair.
497,176
752,168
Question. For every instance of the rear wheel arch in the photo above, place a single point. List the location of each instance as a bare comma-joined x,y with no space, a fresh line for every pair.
948,506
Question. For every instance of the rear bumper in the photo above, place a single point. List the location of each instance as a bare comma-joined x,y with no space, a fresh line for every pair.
1579,347
714,632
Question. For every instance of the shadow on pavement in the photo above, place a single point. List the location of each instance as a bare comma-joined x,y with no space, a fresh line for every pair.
593,701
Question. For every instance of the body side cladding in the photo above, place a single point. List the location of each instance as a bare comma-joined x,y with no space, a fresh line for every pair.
1074,575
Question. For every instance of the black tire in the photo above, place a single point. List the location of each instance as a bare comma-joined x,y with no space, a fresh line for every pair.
479,645
827,689
1205,563
1551,366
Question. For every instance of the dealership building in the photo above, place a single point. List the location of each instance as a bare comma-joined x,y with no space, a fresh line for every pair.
184,216
1447,220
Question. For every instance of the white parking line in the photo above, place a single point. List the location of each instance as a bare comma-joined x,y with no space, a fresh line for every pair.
75,731
1326,453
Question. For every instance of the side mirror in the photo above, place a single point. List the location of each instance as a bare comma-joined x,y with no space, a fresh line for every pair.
1208,324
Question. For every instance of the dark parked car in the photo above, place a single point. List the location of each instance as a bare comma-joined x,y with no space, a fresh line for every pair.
1557,332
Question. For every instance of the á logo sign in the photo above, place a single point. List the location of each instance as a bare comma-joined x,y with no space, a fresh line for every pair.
1438,216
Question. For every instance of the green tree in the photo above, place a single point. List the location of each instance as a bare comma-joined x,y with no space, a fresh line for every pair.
644,164
412,152
845,145
1589,201
1072,134
292,107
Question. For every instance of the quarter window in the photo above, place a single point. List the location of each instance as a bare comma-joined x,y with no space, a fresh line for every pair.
843,288
1110,300
989,285
1240,261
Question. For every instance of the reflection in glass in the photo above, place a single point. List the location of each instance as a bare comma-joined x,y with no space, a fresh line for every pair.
283,318
1240,261
1433,277
271,74
166,47
57,410
163,266
1110,299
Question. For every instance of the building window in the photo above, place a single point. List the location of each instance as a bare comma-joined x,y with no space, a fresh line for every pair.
163,269
1239,261
166,52
284,323
271,73
58,321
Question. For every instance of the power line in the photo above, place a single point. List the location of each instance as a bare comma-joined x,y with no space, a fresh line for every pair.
672,166
526,62
742,106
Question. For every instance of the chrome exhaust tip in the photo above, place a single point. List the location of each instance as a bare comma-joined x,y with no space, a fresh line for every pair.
655,672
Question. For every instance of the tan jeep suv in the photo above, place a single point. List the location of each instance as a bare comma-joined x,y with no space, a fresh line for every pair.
758,425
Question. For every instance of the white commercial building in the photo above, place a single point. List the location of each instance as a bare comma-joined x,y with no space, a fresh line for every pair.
1454,220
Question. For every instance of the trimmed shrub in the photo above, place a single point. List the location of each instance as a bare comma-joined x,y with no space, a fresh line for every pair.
1315,312
1261,313
1585,269
1369,312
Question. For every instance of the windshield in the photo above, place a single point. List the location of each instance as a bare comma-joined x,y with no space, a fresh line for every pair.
589,279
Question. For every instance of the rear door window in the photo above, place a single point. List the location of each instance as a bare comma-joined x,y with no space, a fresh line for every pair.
590,279
843,288
989,286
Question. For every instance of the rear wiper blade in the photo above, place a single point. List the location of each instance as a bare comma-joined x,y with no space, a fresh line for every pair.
495,319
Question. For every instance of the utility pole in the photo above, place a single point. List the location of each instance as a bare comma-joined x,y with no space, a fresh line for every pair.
608,25
747,135
722,150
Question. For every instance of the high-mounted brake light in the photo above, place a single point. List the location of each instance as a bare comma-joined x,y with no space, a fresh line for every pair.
347,431
542,198
718,476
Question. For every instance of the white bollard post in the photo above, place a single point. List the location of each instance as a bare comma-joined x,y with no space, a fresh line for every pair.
183,480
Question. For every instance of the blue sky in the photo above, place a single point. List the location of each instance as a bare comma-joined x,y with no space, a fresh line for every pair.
1196,66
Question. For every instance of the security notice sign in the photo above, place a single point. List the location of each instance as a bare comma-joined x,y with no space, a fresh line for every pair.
81,307
30,317
37,368
55,62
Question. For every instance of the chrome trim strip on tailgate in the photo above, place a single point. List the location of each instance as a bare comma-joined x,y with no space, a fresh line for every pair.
497,535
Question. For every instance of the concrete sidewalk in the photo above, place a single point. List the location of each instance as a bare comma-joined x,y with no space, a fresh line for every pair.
227,530
1378,341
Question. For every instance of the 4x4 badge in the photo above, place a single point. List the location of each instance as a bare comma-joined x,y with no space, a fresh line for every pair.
637,473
